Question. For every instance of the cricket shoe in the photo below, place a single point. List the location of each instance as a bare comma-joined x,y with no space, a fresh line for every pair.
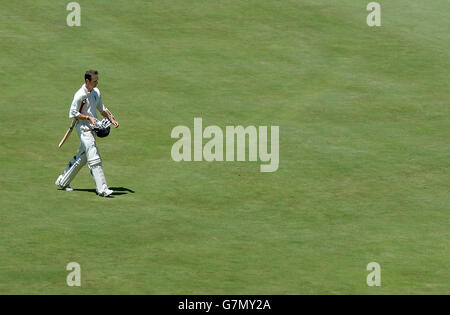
107,192
58,183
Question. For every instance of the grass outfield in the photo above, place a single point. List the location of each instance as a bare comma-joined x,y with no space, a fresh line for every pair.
364,147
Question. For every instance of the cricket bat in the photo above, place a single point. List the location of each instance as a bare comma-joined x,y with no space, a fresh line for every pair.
72,124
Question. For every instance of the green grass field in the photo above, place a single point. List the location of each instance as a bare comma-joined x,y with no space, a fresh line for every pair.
364,147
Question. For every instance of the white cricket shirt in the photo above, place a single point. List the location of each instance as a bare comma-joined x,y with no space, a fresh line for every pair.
93,103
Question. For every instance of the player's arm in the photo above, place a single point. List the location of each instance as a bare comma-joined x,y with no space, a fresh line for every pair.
86,117
106,113
75,109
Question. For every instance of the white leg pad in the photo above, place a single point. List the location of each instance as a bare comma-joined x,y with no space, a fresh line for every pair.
99,177
72,169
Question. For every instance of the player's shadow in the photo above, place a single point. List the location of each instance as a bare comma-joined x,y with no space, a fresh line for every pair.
121,190
117,191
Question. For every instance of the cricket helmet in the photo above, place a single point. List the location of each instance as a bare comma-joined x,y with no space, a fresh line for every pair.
102,128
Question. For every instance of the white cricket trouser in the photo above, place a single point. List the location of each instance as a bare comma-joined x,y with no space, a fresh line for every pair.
87,153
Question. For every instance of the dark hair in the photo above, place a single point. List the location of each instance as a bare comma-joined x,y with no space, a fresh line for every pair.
88,75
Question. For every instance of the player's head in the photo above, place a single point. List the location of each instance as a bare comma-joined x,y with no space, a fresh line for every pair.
91,79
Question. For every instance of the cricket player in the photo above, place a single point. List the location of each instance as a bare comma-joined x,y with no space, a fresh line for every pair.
87,100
